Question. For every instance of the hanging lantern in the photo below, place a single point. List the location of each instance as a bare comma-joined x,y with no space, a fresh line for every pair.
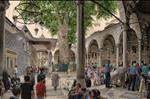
36,30
15,19
41,25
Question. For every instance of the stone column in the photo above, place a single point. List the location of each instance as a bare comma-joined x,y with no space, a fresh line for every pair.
40,58
87,58
124,45
49,60
100,57
29,58
3,6
80,43
94,58
117,55
139,47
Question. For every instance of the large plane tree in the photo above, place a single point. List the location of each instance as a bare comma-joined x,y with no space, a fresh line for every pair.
60,18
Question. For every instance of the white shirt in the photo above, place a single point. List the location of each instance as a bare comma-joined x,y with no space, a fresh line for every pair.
16,70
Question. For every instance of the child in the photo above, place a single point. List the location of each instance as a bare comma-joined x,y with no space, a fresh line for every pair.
16,93
27,89
142,89
41,88
92,95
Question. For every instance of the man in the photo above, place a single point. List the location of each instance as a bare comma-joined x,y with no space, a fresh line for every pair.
132,76
138,67
30,73
107,71
27,89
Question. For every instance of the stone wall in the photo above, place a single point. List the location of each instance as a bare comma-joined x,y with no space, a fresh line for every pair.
34,61
16,43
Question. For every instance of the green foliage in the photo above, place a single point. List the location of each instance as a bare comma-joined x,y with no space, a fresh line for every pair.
111,5
53,13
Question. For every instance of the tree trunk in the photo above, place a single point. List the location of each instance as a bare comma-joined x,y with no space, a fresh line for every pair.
80,43
63,44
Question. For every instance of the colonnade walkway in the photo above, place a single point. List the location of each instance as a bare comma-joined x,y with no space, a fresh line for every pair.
66,81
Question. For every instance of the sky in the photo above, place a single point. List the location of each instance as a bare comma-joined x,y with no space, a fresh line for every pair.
97,24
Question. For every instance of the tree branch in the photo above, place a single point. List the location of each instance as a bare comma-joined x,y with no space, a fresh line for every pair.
96,2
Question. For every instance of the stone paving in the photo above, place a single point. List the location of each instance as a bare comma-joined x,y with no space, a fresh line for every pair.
113,93
119,93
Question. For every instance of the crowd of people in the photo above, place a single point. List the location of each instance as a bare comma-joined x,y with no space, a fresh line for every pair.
94,76
92,73
78,92
138,78
99,75
26,89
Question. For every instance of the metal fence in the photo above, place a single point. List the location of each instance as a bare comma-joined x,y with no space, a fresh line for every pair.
61,67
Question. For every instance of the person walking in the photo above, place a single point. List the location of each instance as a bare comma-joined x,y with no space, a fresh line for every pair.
55,80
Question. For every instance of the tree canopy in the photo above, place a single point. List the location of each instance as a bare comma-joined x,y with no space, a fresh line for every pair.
53,13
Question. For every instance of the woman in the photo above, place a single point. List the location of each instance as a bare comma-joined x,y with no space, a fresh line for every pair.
6,81
55,80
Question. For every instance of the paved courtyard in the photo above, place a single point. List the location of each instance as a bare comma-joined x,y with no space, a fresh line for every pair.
66,80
